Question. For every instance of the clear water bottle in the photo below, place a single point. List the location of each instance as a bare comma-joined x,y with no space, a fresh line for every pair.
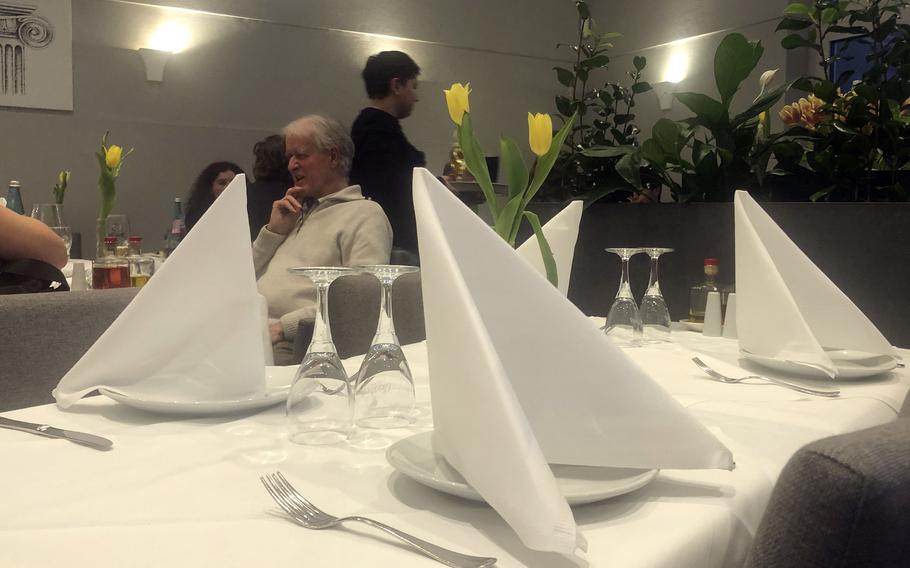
177,230
14,197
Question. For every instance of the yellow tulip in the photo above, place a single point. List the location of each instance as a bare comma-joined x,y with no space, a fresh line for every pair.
63,178
540,132
457,100
112,156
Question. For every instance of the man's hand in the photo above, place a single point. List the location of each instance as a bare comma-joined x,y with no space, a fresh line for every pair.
285,212
276,332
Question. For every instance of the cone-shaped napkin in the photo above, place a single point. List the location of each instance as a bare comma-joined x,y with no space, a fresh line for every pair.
193,332
786,307
520,378
562,234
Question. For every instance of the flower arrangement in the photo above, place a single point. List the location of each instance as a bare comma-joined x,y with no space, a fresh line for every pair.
110,160
849,136
63,179
507,215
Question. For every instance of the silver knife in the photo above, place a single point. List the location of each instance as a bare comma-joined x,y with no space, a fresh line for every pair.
91,440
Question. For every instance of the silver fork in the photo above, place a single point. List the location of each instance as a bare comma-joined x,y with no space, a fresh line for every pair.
725,379
308,515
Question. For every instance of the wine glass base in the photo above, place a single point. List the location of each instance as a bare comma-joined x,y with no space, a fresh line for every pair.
318,437
396,419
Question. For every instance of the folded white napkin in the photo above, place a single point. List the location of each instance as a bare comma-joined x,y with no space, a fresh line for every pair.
520,378
786,307
562,233
193,333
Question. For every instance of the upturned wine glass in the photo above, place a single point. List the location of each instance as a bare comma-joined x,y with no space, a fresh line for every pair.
384,390
321,400
655,318
65,233
624,320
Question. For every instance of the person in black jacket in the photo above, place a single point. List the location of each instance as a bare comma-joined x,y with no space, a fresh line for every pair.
383,157
270,167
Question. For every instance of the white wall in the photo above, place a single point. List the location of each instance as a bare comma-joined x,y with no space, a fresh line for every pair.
252,66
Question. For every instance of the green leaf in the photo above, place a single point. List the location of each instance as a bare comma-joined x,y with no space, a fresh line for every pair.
825,90
652,152
639,62
564,106
762,104
734,60
546,253
507,219
514,166
797,8
788,152
706,108
596,62
582,8
476,162
666,133
830,15
629,167
641,87
793,24
564,76
793,41
607,151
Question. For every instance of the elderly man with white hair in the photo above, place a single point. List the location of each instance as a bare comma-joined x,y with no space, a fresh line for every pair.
321,221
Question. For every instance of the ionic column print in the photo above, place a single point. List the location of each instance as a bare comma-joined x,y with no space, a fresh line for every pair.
19,30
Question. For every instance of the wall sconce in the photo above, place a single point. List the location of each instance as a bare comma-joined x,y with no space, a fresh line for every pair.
168,39
664,91
154,60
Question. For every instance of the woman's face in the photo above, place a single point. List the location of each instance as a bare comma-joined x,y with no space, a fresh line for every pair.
221,182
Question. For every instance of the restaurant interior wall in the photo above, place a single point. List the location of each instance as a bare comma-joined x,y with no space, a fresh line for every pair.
249,68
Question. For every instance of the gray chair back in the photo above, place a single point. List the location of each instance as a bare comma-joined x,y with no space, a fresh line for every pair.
841,501
354,314
44,335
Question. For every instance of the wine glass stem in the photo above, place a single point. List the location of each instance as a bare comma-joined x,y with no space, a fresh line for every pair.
625,290
653,286
322,334
385,330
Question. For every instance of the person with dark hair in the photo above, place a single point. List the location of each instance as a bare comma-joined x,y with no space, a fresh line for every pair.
208,186
270,167
383,158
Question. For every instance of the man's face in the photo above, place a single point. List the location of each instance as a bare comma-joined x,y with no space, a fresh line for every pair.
406,96
310,167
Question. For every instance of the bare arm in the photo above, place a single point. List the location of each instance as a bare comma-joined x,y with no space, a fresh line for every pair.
24,237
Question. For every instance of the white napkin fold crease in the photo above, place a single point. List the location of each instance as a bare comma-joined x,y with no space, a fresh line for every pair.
193,332
787,308
520,378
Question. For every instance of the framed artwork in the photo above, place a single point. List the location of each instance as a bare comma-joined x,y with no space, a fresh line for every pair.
36,54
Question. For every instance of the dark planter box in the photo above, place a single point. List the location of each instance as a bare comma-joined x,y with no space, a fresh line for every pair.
862,248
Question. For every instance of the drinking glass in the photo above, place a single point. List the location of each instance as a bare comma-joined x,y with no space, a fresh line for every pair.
624,321
118,225
51,214
66,234
655,318
384,389
321,400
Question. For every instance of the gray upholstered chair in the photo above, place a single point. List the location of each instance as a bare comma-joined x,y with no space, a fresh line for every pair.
842,501
354,313
45,334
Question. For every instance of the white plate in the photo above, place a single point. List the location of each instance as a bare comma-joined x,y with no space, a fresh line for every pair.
692,325
414,457
848,363
278,383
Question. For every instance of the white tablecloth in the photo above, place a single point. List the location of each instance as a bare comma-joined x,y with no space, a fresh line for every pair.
185,492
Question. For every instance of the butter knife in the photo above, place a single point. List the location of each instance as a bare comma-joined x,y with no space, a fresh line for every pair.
91,440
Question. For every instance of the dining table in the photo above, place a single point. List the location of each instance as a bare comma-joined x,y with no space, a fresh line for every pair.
179,490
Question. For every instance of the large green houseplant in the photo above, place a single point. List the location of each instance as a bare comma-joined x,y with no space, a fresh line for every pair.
587,161
707,156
